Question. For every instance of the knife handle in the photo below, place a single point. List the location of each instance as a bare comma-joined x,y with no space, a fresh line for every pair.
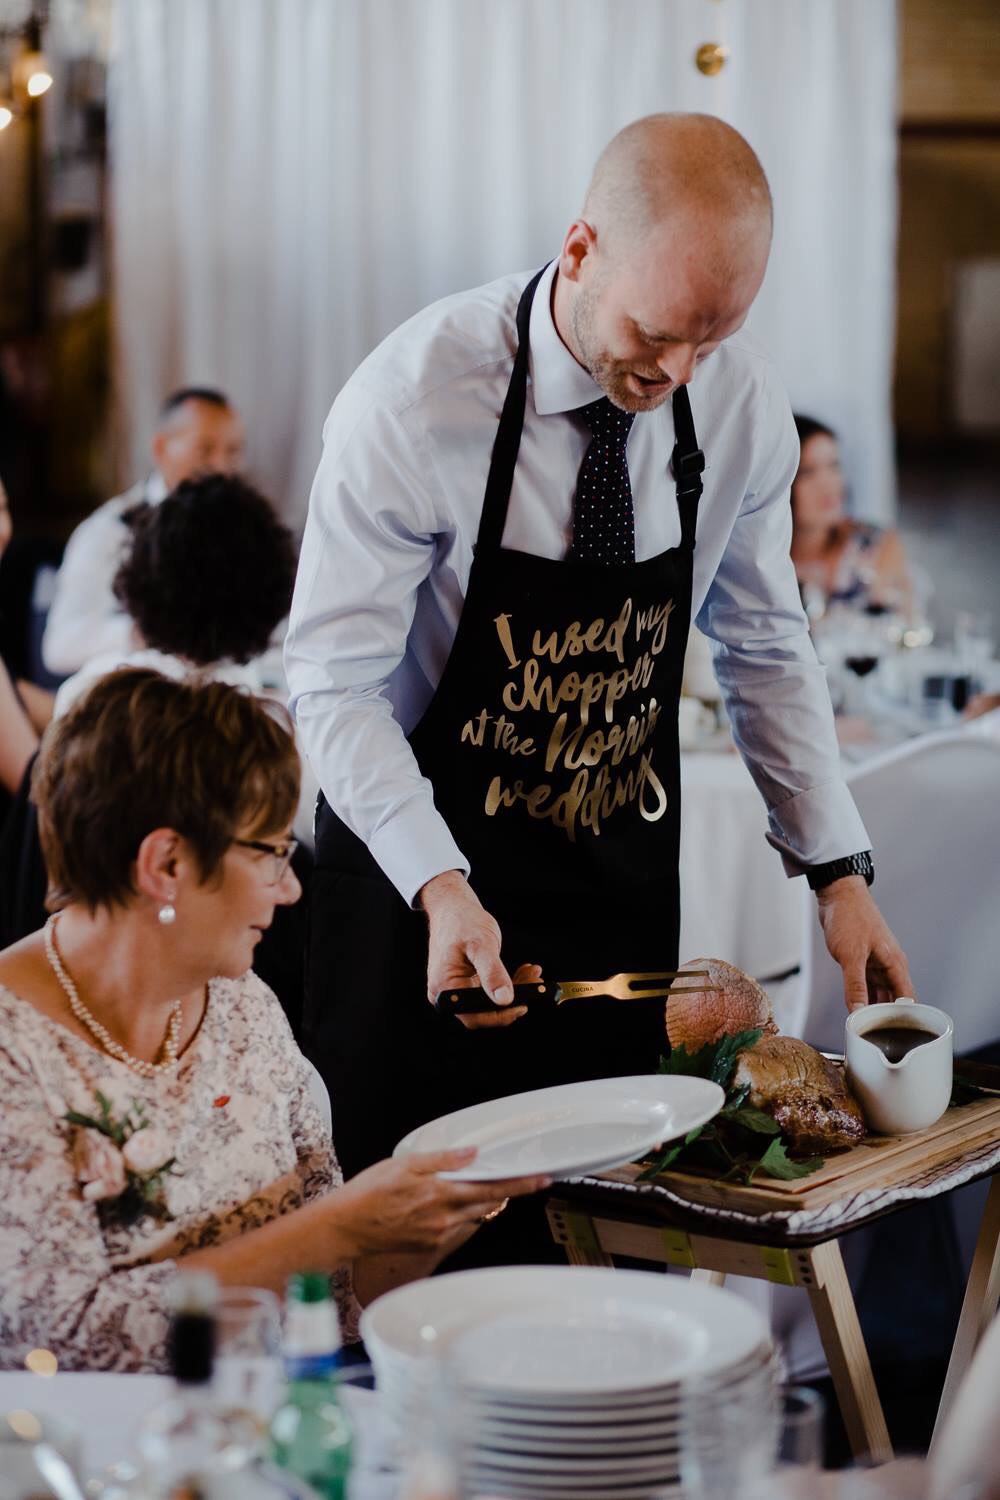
474,1001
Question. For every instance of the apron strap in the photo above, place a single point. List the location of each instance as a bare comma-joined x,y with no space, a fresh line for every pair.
508,439
688,464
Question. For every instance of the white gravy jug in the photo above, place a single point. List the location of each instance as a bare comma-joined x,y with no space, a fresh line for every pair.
910,1094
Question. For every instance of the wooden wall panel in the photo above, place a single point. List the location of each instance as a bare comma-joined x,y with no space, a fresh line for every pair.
950,60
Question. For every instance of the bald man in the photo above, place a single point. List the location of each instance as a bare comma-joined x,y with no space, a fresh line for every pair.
198,432
526,494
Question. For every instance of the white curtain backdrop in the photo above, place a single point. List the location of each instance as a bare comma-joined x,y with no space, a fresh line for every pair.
292,178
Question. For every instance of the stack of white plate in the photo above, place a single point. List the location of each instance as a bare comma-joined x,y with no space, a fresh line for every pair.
571,1381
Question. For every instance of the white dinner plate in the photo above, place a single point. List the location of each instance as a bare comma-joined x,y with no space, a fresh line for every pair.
564,1131
633,1414
629,1346
428,1316
662,1444
610,1470
496,1482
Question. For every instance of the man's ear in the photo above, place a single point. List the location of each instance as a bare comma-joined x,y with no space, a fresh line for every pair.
580,242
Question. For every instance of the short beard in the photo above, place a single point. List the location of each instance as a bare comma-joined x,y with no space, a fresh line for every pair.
610,374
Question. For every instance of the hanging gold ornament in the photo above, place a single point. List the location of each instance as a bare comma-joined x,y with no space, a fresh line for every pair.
710,58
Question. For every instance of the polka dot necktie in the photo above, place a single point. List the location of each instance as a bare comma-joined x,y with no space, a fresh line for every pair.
603,521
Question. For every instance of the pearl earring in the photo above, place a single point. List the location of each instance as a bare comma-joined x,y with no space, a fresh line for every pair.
167,914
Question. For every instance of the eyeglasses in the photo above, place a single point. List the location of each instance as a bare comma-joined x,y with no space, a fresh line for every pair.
281,855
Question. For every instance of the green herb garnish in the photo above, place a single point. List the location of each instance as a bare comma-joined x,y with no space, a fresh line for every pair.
733,1142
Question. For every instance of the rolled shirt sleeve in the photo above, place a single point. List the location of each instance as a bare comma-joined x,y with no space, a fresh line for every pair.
370,541
774,686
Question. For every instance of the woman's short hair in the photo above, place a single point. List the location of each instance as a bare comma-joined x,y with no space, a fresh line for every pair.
138,751
209,571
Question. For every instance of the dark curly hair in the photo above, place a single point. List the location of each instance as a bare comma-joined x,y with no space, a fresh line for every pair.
209,572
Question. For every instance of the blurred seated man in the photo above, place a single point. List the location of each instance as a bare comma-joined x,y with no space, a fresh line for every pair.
157,1112
199,432
838,559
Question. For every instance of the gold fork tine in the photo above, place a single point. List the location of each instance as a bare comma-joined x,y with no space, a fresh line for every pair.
622,986
665,974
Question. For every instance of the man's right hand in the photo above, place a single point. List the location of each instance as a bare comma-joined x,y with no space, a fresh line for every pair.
464,948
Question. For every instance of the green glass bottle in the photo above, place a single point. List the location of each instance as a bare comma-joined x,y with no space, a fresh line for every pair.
311,1436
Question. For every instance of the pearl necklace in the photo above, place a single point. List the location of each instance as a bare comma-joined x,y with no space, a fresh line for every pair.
101,1033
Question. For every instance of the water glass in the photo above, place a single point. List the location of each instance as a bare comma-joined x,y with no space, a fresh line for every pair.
729,1439
249,1374
438,1433
801,1413
974,639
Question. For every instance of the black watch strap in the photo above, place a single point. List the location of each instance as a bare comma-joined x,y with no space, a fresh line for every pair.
836,869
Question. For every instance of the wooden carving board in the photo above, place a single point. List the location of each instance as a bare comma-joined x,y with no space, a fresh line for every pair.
879,1161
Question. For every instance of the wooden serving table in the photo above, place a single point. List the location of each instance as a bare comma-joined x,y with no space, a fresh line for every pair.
789,1232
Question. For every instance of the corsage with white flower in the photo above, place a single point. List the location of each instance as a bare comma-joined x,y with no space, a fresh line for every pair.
121,1164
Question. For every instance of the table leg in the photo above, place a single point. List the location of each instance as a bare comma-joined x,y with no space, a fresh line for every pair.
844,1346
575,1231
979,1305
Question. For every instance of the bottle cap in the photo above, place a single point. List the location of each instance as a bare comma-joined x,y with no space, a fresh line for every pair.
309,1286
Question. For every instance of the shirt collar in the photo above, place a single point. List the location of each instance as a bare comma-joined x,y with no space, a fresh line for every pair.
155,488
558,382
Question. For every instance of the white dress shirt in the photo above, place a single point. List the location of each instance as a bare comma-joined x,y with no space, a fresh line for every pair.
388,546
85,619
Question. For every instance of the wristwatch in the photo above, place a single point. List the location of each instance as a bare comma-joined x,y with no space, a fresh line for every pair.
836,869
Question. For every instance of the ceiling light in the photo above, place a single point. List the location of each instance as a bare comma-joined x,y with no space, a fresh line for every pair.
31,74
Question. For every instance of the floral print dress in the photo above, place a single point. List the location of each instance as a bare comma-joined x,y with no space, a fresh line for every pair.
89,1282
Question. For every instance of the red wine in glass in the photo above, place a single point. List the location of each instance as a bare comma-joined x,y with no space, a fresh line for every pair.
861,665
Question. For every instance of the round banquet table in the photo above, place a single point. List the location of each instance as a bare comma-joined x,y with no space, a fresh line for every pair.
736,901
108,1408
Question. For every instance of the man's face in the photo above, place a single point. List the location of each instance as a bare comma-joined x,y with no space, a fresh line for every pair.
199,438
643,326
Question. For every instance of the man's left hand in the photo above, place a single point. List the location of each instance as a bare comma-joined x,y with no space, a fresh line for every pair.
859,938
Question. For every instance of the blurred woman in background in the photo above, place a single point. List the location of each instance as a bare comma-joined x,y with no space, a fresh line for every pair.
837,558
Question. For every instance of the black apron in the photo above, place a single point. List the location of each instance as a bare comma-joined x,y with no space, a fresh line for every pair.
551,745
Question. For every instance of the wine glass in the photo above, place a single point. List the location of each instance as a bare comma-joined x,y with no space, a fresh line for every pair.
862,646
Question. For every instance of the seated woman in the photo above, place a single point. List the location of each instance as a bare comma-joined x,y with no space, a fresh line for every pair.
207,577
838,559
156,1107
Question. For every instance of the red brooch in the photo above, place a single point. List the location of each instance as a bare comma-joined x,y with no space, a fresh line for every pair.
221,1102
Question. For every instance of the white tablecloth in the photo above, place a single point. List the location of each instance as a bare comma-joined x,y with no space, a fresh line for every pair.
107,1411
736,901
